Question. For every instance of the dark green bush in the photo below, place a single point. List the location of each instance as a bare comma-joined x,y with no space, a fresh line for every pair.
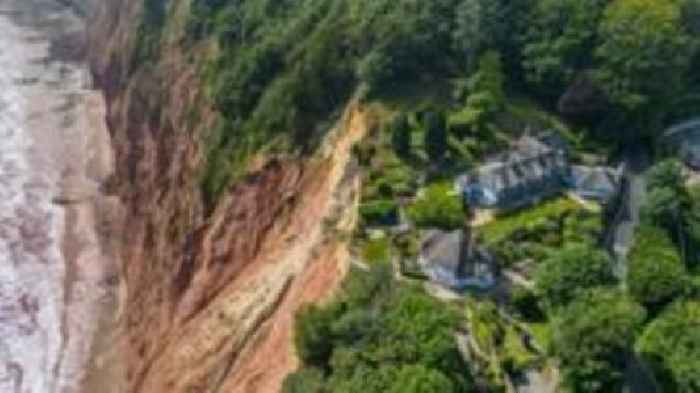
381,212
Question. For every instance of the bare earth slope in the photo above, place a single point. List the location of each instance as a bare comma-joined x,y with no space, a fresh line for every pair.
208,300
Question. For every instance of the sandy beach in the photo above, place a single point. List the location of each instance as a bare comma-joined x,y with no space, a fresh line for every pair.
59,274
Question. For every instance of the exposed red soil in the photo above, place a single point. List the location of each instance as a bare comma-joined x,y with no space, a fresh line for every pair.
208,301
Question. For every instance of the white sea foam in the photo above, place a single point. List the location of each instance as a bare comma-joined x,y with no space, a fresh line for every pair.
34,130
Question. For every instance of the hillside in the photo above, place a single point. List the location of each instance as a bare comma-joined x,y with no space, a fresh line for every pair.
265,146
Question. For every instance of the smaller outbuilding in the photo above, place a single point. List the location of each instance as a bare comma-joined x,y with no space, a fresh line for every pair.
450,259
596,183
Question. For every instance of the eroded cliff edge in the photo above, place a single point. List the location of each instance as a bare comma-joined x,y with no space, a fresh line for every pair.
208,293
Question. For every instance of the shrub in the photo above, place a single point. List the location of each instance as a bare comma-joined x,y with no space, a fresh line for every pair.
571,271
377,251
309,380
380,212
526,304
656,273
671,345
439,206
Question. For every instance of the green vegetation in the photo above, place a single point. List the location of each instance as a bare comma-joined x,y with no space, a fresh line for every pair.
454,81
559,42
670,344
281,70
656,273
571,271
533,233
438,205
619,43
485,94
379,212
592,336
675,208
506,224
498,345
150,33
278,73
642,38
377,251
379,336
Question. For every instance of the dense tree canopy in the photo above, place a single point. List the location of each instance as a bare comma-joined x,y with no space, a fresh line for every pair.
644,55
672,206
401,135
486,88
379,337
560,40
592,337
656,274
435,126
671,344
571,271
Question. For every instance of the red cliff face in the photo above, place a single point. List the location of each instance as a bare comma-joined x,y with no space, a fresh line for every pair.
207,300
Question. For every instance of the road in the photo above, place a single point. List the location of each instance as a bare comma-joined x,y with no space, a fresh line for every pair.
637,161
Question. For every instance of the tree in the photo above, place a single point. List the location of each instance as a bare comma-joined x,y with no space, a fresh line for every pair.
669,204
641,38
481,25
435,135
419,379
401,135
382,337
375,69
592,337
656,273
671,344
308,380
691,19
313,338
664,207
486,87
560,41
667,174
570,271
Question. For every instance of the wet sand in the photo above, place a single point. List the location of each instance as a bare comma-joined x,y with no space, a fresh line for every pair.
58,275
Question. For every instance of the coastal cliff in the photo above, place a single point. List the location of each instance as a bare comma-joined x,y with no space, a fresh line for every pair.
208,291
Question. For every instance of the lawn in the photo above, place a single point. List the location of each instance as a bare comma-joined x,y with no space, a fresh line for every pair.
535,232
505,225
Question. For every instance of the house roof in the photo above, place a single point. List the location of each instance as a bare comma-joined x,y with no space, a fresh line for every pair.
595,179
442,249
530,159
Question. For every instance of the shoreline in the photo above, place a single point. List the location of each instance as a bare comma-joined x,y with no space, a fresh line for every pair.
101,213
68,290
